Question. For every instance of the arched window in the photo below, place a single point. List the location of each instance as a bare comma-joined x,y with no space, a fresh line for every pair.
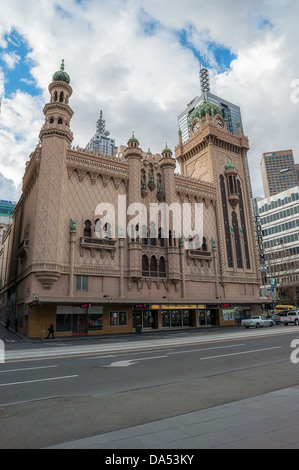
107,231
98,228
160,237
162,267
170,238
150,173
226,223
55,95
144,235
87,228
154,267
204,245
143,179
237,239
153,234
61,97
135,233
145,266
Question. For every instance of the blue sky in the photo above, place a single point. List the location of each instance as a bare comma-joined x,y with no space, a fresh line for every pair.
16,65
137,60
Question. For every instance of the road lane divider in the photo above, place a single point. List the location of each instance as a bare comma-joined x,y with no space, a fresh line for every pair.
27,368
240,352
38,380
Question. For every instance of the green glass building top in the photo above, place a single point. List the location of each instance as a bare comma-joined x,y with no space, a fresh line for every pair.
204,109
6,208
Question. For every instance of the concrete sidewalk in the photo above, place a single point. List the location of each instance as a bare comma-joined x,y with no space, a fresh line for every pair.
269,421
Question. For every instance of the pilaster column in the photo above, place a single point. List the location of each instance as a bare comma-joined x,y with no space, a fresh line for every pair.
73,234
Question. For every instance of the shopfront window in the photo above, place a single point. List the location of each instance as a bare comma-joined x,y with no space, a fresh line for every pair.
148,319
144,318
79,320
95,322
208,317
202,318
63,322
176,320
236,314
118,318
165,318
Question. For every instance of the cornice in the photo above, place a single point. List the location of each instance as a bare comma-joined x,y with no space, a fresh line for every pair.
211,134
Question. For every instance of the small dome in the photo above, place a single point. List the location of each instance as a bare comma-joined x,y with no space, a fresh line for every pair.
167,150
133,139
61,75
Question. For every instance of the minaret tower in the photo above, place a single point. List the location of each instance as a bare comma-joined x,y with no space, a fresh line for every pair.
58,114
133,155
55,139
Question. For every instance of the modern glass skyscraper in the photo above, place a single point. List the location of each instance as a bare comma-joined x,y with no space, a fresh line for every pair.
230,112
278,172
101,142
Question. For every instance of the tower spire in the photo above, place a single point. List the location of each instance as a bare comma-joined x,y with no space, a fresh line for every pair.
101,124
204,77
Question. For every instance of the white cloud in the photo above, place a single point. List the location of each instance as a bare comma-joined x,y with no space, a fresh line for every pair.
126,57
8,189
11,59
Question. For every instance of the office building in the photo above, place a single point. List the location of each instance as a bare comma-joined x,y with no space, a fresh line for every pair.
278,172
230,112
6,211
279,218
101,142
74,257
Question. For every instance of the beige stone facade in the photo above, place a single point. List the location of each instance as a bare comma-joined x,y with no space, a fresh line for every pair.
58,269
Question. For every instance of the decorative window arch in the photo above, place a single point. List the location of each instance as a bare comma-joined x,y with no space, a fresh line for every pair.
154,267
162,267
87,228
145,266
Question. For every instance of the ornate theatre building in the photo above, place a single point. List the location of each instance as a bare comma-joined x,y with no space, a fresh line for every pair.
71,260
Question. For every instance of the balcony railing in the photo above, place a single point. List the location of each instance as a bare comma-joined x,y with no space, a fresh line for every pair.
98,244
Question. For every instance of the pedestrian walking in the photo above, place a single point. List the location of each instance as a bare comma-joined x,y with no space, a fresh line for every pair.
7,323
51,330
16,324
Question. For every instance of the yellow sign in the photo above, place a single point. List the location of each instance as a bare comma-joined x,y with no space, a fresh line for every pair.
173,307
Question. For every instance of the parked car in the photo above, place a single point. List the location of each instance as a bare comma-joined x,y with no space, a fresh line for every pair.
276,317
292,316
257,321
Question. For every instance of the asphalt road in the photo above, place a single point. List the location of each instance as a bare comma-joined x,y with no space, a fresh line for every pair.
56,391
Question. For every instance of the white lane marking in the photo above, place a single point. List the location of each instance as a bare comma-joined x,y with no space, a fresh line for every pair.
132,361
123,354
40,380
27,368
130,346
207,349
238,353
